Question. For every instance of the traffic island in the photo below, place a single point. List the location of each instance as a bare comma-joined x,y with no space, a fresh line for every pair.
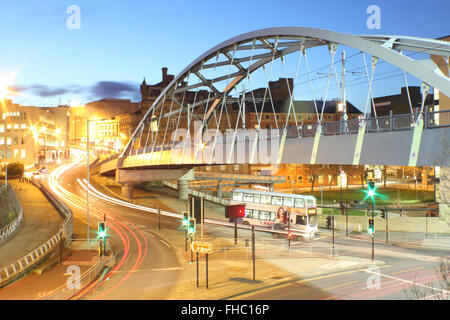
231,277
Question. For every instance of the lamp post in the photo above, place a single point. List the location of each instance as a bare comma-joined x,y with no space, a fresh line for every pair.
87,189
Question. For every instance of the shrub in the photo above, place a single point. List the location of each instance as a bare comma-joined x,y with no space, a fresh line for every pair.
15,169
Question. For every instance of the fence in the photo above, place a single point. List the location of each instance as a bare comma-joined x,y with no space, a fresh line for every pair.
226,248
66,292
46,250
8,231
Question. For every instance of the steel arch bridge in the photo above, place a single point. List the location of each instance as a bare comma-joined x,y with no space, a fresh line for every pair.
200,117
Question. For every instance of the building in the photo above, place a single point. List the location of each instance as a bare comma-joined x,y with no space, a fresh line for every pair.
101,110
107,136
33,135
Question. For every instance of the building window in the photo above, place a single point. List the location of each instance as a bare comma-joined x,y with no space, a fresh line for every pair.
267,117
8,141
2,128
16,140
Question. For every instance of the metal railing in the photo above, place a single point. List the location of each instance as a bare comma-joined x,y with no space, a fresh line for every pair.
227,248
434,119
46,250
238,177
10,229
65,291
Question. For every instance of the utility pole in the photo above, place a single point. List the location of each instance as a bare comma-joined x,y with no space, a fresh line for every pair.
373,233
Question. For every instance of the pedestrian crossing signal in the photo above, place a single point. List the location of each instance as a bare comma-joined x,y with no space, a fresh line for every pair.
102,230
371,228
191,226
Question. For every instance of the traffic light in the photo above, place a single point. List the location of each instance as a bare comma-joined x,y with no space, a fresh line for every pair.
185,219
290,235
371,229
371,191
102,229
191,226
383,214
328,222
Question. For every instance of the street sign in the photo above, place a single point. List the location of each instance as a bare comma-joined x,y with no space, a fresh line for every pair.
202,247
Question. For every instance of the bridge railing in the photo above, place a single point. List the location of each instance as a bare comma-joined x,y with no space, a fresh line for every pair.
434,119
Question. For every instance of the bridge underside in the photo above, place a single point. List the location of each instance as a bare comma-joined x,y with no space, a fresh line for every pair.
380,148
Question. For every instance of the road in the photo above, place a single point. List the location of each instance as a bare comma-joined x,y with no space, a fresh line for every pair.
404,267
148,267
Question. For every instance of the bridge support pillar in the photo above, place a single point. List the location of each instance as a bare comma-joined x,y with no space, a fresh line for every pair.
127,190
183,190
183,185
443,193
219,190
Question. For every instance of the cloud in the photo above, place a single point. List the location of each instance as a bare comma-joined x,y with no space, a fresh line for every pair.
113,89
46,91
101,89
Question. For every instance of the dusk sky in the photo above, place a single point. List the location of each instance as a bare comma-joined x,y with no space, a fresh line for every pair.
121,42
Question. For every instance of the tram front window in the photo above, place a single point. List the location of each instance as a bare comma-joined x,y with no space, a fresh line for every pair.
301,220
313,220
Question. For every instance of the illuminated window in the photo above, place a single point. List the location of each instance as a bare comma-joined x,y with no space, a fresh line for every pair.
2,128
8,141
8,126
2,140
16,153
23,126
16,126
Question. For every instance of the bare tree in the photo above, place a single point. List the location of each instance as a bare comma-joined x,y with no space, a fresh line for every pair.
314,172
440,291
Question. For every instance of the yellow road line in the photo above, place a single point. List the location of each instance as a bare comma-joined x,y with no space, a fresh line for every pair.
340,285
409,270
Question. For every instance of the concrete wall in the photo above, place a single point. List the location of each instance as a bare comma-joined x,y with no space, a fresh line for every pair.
444,194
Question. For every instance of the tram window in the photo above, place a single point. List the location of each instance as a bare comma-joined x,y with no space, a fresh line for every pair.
299,203
301,220
248,213
289,202
272,216
255,214
265,199
256,198
237,196
264,215
248,197
311,202
278,201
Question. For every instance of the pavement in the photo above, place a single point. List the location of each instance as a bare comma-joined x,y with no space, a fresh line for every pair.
41,222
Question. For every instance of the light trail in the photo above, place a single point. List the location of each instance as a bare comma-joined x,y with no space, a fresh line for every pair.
116,225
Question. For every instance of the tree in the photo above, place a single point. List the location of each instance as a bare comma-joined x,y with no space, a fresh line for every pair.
362,174
314,172
15,169
334,171
439,291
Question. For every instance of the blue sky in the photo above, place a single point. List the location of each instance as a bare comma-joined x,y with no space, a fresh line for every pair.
123,41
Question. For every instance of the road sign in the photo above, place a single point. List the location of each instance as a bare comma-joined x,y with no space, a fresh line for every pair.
202,247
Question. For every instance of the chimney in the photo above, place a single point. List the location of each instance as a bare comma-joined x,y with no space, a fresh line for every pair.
164,74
